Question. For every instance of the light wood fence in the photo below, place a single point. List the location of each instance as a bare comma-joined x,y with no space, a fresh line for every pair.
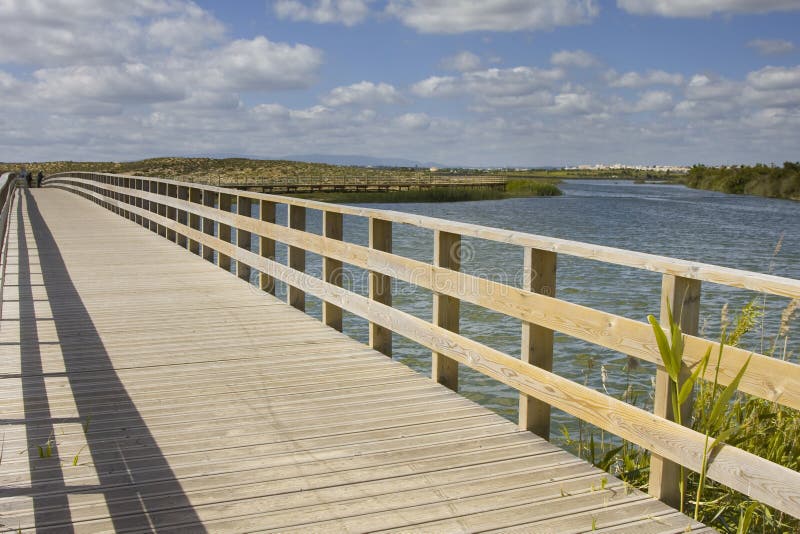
188,214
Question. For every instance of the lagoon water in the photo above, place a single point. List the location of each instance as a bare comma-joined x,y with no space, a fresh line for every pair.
751,233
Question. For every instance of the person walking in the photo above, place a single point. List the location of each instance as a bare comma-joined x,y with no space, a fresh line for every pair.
39,178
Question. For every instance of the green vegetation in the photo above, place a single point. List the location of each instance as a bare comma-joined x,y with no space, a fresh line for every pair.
514,189
230,171
761,180
758,426
239,171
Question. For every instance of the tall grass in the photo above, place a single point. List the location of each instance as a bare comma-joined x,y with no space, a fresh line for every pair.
514,188
758,426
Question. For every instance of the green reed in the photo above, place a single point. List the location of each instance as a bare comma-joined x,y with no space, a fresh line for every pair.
725,416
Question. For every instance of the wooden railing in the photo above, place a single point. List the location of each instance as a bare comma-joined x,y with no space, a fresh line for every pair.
187,214
8,185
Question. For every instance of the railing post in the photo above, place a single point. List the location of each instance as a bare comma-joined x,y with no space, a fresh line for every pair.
209,200
380,285
183,216
162,208
195,197
138,201
683,296
539,276
172,213
296,257
224,231
266,245
446,309
243,238
332,269
146,203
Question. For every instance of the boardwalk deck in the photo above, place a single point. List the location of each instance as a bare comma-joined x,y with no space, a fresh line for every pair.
174,396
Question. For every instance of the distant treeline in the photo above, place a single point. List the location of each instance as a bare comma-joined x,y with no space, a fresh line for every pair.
762,180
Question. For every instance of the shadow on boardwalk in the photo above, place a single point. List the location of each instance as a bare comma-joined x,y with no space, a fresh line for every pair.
135,479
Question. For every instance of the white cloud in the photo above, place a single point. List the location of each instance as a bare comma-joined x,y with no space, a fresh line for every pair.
694,110
131,83
458,16
770,78
705,87
636,79
191,30
704,8
362,93
767,47
653,101
258,65
64,32
8,83
775,87
436,86
461,62
489,83
534,100
573,58
413,121
347,12
574,101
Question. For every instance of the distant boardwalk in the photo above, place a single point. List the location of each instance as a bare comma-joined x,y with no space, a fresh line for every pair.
144,389
371,185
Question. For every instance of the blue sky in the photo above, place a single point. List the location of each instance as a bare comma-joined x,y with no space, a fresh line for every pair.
484,83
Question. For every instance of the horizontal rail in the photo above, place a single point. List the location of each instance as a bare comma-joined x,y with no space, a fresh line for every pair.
759,282
768,378
186,213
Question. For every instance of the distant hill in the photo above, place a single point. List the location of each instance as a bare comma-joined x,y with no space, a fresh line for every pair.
225,171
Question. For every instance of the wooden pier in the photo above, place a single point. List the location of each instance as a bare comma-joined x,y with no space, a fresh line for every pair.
371,185
148,385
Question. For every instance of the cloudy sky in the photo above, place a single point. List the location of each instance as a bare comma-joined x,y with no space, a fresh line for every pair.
461,82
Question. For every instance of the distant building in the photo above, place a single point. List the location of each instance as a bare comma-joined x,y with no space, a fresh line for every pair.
620,166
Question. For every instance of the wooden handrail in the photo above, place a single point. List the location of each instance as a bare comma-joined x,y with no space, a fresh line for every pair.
8,185
759,282
187,213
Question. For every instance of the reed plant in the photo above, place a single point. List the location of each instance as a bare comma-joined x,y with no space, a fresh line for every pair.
725,416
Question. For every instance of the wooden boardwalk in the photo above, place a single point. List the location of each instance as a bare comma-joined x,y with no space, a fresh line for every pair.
174,396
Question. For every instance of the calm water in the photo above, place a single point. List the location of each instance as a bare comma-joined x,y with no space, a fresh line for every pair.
735,231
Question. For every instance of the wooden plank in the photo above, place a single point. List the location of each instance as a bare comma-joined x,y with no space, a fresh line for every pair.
539,276
382,441
661,435
446,308
681,296
380,286
332,228
747,473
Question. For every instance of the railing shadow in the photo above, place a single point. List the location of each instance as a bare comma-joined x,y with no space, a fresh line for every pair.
139,487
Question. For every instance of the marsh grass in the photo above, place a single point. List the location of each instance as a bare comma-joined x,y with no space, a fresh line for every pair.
514,189
755,425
